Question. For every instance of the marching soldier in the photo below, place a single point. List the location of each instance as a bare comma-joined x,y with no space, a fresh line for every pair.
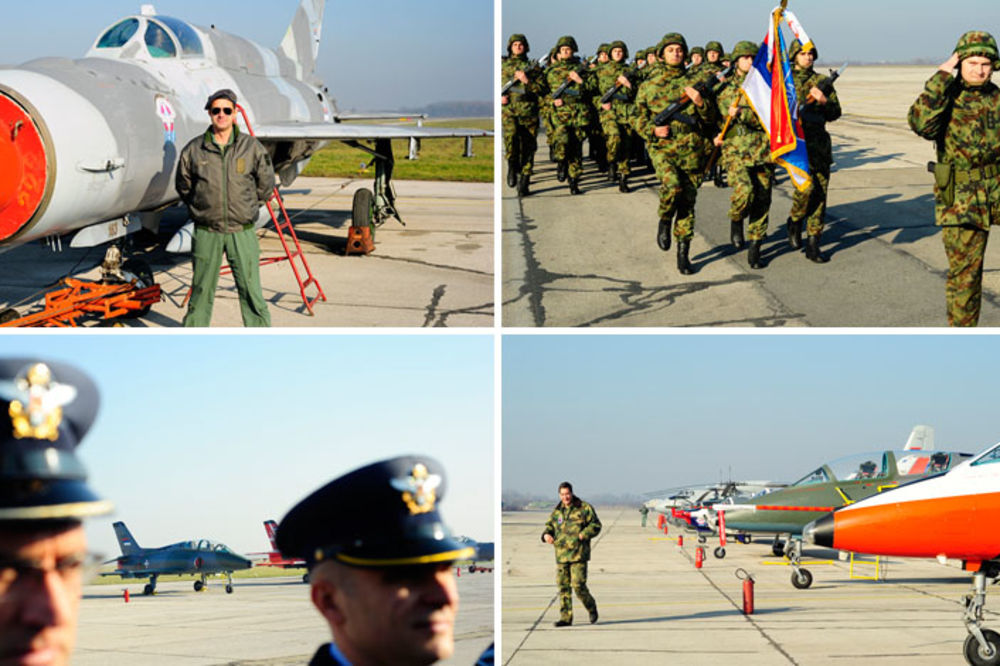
746,155
816,109
713,59
615,115
570,115
678,150
697,58
571,526
961,114
520,113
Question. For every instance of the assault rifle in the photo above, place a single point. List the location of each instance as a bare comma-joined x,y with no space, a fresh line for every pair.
827,86
582,69
709,86
610,93
531,66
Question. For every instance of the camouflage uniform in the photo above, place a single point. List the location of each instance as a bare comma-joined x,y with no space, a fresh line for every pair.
572,528
746,156
616,122
708,68
680,157
520,114
570,120
964,122
693,68
810,204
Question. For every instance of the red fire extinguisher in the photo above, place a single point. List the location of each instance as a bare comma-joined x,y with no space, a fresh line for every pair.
680,540
699,557
747,590
126,595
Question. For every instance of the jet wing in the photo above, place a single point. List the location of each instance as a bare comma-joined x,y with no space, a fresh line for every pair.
294,131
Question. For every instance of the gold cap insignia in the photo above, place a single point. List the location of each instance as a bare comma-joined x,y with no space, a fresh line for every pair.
418,489
36,402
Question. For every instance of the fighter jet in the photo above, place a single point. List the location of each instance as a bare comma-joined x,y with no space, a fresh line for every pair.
951,516
484,553
91,145
201,558
273,557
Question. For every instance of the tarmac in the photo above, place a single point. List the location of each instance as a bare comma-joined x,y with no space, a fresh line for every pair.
265,622
592,260
436,271
657,608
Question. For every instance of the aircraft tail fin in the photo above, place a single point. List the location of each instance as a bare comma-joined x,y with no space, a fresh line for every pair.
301,42
921,439
272,532
125,539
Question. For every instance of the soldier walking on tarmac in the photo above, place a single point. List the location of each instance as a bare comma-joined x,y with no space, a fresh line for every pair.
961,114
520,113
570,528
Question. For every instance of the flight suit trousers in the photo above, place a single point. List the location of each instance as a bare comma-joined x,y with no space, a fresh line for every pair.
243,253
572,577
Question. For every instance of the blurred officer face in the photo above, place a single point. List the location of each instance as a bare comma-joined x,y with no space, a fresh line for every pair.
617,54
744,63
713,55
41,576
389,615
804,59
565,52
976,70
223,113
696,59
517,48
673,54
566,496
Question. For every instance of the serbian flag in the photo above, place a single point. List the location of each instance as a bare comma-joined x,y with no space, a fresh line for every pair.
770,90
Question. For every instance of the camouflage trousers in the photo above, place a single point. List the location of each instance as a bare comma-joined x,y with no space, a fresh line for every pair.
520,141
810,204
572,577
618,140
751,197
965,247
678,193
567,144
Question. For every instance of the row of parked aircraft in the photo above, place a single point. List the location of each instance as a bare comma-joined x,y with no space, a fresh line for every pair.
917,502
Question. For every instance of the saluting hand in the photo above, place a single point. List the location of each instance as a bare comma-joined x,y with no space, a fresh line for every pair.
950,65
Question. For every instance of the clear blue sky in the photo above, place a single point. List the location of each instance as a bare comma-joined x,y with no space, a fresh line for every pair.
378,54
207,436
886,30
632,414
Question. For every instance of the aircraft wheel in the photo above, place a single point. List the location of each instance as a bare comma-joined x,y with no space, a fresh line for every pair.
974,654
9,315
362,208
778,548
701,538
198,586
229,589
305,577
141,270
802,579
719,552
148,590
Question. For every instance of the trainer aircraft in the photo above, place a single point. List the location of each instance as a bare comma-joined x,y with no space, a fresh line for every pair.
273,557
200,558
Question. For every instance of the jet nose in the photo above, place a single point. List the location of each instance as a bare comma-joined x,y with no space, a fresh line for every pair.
23,167
819,532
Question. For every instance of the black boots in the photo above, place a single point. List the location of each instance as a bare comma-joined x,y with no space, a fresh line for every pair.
663,234
683,265
512,173
561,171
736,233
623,183
795,233
812,251
612,172
522,185
574,186
753,254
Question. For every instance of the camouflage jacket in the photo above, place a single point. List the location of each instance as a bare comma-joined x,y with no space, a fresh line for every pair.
572,528
522,98
686,146
814,118
964,122
621,103
746,142
575,106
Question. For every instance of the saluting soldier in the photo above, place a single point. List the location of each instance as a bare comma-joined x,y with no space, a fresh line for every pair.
746,155
380,563
570,115
961,114
520,112
816,109
615,114
679,149
570,527
45,410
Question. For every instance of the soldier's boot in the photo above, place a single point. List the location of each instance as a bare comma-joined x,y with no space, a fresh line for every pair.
683,264
512,173
753,255
563,623
561,171
623,183
574,186
736,233
812,250
795,233
593,614
612,172
522,185
663,234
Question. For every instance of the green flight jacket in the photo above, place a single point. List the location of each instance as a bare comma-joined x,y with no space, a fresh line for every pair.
572,528
224,188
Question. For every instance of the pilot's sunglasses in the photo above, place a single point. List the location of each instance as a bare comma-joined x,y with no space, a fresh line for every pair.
216,110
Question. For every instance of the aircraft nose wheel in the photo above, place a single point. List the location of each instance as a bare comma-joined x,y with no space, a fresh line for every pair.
719,552
198,586
148,590
229,589
778,548
802,579
974,653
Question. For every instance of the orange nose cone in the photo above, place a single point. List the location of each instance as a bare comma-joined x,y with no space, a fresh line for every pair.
23,174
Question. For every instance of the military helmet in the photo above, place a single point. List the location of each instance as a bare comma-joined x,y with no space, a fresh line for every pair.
715,46
618,44
604,48
517,37
796,47
744,48
567,40
671,38
978,43
699,50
